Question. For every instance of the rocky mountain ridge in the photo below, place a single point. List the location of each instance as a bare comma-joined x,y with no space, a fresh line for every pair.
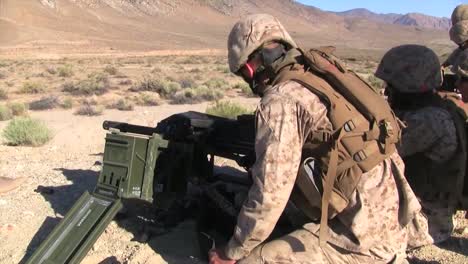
142,25
410,19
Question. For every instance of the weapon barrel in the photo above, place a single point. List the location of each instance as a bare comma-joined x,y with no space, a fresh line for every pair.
129,128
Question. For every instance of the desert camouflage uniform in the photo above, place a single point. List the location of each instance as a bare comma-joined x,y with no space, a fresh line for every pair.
458,34
449,66
370,230
453,59
430,131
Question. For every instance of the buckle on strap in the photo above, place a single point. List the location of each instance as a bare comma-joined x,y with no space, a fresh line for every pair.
359,156
321,136
349,126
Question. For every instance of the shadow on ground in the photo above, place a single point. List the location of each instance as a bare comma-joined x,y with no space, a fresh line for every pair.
110,260
456,244
40,236
419,261
176,245
61,199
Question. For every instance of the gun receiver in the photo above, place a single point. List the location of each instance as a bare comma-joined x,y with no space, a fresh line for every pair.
149,164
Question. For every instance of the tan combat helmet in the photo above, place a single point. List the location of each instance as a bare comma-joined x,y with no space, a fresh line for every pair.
251,33
459,29
410,69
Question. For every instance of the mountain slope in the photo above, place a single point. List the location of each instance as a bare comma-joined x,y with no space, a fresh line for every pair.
410,19
86,25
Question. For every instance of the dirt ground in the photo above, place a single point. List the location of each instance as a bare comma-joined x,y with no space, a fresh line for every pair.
66,165
69,164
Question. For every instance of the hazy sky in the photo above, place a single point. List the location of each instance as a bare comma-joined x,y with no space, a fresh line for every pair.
440,8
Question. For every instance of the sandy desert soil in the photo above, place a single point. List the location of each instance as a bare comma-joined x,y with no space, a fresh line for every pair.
66,165
69,164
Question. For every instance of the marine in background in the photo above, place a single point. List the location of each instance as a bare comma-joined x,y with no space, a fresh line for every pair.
433,145
459,35
370,225
461,70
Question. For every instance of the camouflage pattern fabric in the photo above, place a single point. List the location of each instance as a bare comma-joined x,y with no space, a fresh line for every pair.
461,64
452,59
302,246
252,32
371,229
459,30
410,69
460,13
431,131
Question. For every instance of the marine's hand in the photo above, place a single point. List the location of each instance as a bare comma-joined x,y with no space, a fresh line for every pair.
216,256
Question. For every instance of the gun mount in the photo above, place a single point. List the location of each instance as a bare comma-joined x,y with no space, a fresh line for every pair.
155,165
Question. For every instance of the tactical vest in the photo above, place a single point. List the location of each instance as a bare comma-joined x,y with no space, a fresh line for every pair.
365,131
429,179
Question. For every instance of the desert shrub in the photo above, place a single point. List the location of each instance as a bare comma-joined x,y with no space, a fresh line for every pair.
40,75
228,109
5,113
18,109
123,104
196,95
220,60
65,70
171,88
148,99
3,75
184,97
3,94
369,65
25,131
195,70
30,87
96,83
223,69
69,87
216,83
3,64
148,83
111,70
156,70
48,102
125,82
67,103
120,76
186,82
207,94
163,87
244,88
375,82
89,109
187,60
51,70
